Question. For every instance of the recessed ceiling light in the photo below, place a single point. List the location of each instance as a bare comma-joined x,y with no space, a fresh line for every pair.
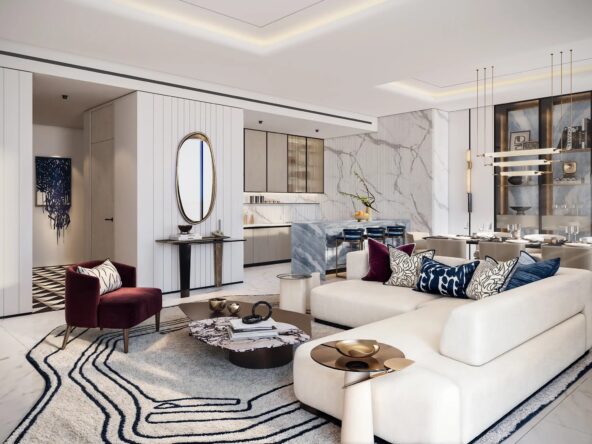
65,96
260,122
317,130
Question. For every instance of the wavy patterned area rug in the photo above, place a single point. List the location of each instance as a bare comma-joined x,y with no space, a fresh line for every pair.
169,388
172,388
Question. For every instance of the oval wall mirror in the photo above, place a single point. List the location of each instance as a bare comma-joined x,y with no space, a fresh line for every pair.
196,178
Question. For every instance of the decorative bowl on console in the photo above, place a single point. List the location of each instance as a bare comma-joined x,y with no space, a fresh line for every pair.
357,348
185,228
217,304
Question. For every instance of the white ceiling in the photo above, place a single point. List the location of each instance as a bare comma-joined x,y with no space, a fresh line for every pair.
49,108
338,54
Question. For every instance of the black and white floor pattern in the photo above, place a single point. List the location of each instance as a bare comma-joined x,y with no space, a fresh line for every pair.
48,288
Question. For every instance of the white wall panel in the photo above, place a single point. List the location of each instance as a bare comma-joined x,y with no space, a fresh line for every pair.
162,122
458,137
16,192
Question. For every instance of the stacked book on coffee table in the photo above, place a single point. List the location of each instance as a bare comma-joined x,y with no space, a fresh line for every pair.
239,331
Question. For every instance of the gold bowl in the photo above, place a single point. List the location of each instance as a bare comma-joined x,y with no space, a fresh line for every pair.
233,308
217,304
357,348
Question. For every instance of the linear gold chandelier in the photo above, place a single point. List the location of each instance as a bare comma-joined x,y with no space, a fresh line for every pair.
498,158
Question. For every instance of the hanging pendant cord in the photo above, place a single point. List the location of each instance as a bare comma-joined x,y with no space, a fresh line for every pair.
484,110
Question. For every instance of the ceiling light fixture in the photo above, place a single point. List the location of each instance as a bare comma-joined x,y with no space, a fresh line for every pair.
518,163
523,173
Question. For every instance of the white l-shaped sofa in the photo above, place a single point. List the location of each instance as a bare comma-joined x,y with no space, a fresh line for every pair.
474,360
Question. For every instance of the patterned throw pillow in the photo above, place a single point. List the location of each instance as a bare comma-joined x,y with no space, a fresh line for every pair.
405,268
439,278
108,275
490,277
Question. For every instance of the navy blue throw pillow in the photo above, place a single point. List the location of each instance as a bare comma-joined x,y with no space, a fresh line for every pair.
439,278
526,274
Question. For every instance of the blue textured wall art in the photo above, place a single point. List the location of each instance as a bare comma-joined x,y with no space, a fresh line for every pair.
54,190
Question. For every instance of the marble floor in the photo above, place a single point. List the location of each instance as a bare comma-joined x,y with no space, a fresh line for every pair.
567,420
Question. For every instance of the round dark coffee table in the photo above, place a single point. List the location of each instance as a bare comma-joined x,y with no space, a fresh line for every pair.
263,354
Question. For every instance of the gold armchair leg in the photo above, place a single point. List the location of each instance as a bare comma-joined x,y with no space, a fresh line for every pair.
157,320
66,336
125,339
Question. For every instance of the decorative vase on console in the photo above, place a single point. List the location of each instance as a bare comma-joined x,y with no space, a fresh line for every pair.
369,213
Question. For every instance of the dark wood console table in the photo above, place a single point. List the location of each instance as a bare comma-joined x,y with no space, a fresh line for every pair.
185,258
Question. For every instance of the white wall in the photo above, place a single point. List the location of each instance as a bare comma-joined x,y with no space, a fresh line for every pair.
16,196
405,166
126,200
482,176
458,144
70,248
162,122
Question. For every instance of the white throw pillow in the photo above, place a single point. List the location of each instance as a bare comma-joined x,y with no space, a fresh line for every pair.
490,277
405,269
109,278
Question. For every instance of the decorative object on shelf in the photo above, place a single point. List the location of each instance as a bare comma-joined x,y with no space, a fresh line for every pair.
357,348
530,145
518,180
255,318
569,169
368,199
53,184
195,178
233,308
218,232
518,138
217,305
520,211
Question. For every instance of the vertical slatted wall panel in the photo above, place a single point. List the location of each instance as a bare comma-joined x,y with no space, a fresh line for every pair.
171,119
16,193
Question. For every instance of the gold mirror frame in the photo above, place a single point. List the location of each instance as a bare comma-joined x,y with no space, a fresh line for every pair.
204,138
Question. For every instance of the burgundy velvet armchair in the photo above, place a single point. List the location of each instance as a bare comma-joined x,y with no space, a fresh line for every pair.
123,308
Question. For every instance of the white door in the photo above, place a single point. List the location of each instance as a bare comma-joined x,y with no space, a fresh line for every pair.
102,185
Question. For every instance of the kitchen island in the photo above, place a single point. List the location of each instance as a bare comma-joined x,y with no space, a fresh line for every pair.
313,243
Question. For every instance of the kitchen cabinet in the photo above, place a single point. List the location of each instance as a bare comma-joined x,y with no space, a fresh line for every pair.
277,163
267,245
255,161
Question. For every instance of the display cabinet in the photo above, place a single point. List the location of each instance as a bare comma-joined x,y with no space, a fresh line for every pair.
558,200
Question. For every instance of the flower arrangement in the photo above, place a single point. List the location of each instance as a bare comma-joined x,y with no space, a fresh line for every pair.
367,199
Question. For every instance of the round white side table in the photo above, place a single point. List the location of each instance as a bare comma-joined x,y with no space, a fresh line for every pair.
293,291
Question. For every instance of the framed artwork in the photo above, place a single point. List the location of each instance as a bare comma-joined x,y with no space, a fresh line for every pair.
517,139
53,190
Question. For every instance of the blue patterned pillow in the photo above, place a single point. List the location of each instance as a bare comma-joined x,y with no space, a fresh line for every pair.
528,273
436,277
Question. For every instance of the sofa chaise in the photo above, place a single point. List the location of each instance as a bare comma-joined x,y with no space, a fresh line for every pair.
474,360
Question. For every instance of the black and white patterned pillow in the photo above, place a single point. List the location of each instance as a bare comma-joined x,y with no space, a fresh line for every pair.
109,278
439,278
490,277
405,268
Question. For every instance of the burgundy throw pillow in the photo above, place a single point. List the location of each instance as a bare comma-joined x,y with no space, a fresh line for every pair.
379,262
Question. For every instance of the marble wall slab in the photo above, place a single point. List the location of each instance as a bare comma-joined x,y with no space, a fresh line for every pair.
404,165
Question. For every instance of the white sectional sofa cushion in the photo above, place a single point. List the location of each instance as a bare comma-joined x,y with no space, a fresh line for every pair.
477,333
474,360
355,302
